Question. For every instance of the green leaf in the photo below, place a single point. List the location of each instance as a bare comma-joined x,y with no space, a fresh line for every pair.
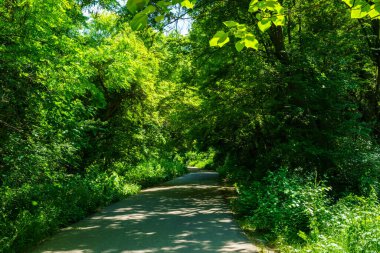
264,24
214,41
253,6
149,9
350,3
279,20
188,4
253,2
253,9
219,39
158,19
251,42
240,34
360,9
279,9
136,5
261,4
139,22
357,13
34,203
241,27
230,23
164,5
270,5
375,11
303,235
240,45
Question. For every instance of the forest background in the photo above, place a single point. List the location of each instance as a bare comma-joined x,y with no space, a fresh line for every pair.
98,99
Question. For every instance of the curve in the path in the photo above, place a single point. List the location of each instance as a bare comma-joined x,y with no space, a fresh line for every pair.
187,214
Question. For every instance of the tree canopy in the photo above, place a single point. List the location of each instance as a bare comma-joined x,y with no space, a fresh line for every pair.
281,97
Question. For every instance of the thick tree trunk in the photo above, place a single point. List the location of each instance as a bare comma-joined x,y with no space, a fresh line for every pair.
277,37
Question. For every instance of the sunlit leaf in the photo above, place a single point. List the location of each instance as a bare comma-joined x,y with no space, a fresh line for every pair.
264,24
360,9
219,39
350,3
240,34
230,23
279,9
239,45
149,9
269,5
241,27
252,6
375,11
253,2
188,4
279,20
251,42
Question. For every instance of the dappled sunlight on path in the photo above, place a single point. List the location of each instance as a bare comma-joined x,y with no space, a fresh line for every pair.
187,214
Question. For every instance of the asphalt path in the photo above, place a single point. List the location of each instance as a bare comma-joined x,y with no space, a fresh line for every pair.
187,214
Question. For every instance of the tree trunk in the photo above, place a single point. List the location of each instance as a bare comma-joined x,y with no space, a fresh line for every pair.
277,38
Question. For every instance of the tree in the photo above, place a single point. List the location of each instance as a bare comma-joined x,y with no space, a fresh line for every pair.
290,103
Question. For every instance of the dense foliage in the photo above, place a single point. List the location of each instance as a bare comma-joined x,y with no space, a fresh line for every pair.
295,124
281,97
80,121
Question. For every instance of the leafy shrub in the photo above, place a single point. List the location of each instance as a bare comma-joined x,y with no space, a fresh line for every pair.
200,159
283,204
231,171
354,227
297,212
33,211
154,172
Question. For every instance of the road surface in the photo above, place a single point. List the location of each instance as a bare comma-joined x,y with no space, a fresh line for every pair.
187,214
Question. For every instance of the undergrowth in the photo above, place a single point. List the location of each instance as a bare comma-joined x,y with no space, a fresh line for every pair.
34,211
202,160
298,214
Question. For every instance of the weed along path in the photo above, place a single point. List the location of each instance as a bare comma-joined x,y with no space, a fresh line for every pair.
187,214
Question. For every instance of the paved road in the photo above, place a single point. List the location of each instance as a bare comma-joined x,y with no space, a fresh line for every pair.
187,214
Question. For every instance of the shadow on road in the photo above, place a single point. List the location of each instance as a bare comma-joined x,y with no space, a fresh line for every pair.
184,215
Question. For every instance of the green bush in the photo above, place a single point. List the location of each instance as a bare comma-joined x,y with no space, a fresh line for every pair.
284,204
200,159
32,212
354,227
232,172
297,213
153,172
